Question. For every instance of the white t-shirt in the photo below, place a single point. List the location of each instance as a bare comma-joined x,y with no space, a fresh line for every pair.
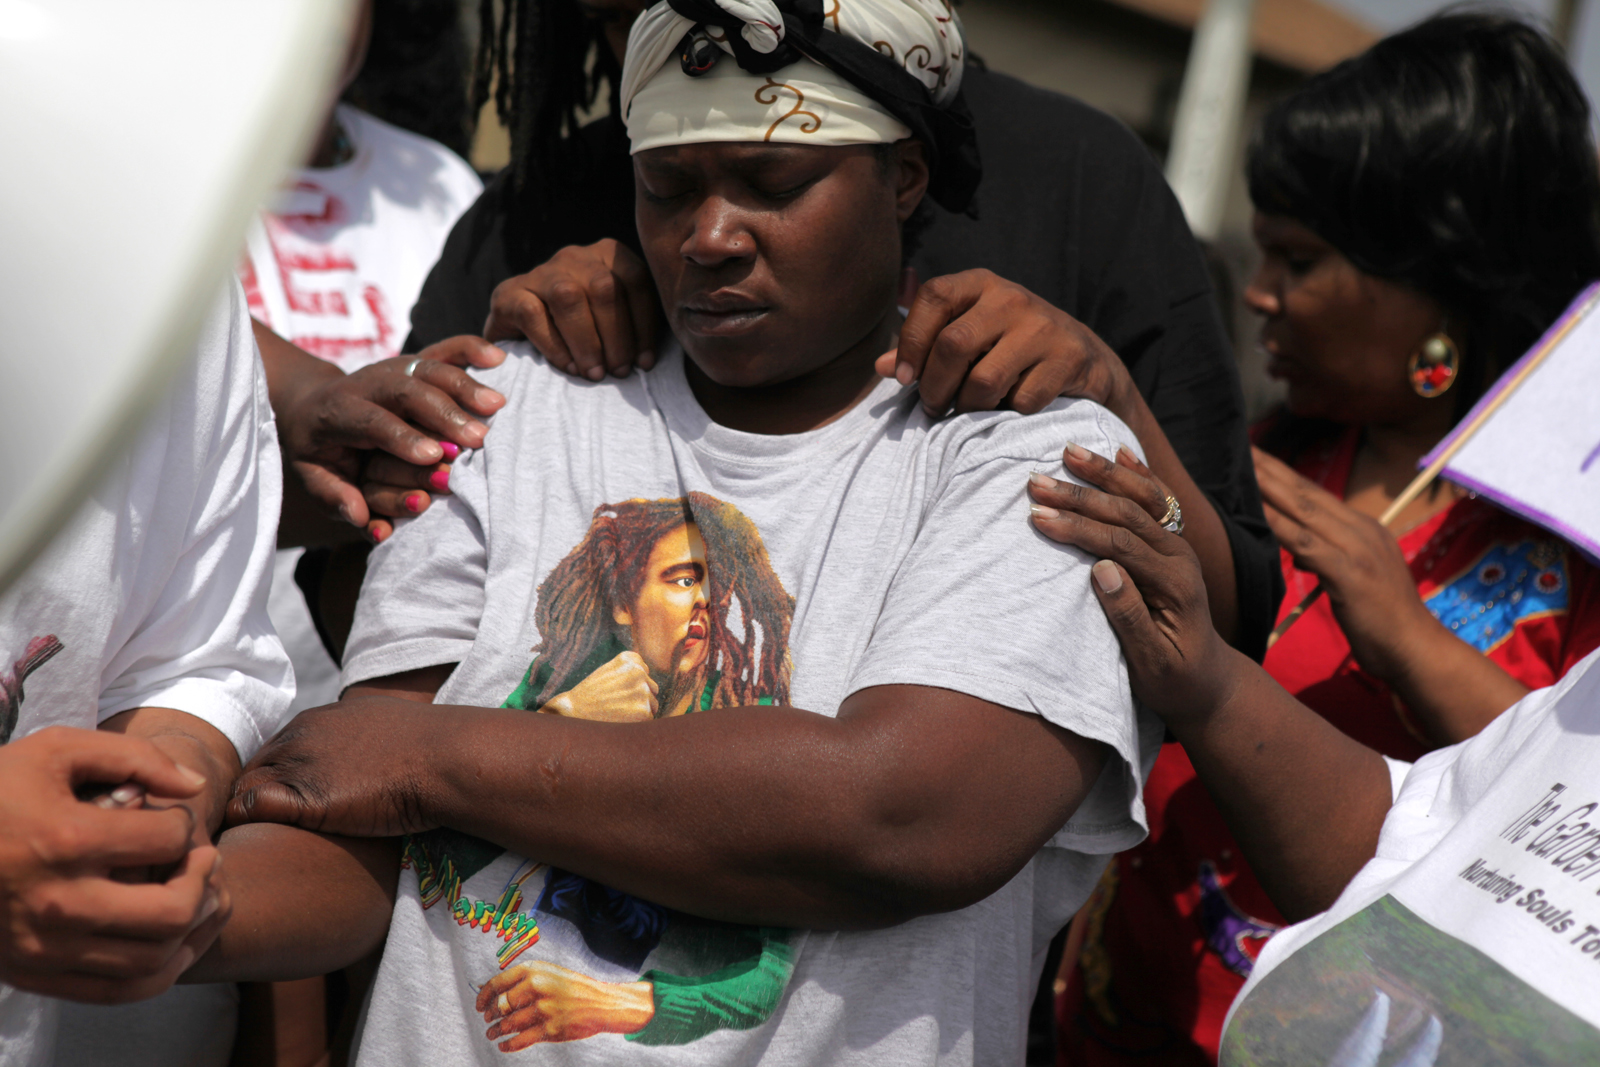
338,263
1473,936
336,269
880,549
155,595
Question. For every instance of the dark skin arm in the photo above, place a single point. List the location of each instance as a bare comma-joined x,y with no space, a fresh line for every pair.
304,904
913,800
193,743
330,423
1304,801
1455,690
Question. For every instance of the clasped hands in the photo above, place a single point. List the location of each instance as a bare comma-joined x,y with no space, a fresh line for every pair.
102,902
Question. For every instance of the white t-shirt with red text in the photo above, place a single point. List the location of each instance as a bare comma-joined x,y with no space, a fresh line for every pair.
337,264
335,268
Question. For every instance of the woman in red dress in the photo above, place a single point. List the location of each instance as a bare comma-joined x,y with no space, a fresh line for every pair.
1425,211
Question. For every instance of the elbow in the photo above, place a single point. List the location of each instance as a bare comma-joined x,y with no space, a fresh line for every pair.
907,881
889,870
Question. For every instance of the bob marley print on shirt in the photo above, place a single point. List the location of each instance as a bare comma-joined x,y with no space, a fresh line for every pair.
666,607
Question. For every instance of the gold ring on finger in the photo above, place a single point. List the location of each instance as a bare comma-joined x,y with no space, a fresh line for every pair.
1172,521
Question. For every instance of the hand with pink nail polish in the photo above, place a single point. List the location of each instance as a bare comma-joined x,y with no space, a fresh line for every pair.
362,443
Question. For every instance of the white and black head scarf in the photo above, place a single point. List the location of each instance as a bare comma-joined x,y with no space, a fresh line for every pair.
828,72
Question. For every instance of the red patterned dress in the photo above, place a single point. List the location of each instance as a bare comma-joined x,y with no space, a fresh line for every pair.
1177,922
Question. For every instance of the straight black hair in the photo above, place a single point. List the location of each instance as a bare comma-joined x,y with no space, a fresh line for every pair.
1454,158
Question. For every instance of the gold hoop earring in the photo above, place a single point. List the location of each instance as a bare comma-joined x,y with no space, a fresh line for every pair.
1433,368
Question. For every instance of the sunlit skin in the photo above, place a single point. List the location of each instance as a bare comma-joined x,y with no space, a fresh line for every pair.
1339,338
778,266
668,620
741,239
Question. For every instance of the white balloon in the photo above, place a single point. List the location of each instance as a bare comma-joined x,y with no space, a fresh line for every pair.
139,140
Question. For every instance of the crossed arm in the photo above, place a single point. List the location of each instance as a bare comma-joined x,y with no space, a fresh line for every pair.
913,800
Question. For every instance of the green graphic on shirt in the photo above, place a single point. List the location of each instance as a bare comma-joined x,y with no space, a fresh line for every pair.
1386,988
666,607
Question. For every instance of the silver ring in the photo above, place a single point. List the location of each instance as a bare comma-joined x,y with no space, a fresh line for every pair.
412,366
1172,521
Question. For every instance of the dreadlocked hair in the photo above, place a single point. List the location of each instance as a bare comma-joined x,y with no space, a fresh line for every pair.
545,61
750,612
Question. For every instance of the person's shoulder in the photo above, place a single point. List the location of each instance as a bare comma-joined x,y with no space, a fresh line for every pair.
224,378
978,438
423,156
536,388
1013,116
524,367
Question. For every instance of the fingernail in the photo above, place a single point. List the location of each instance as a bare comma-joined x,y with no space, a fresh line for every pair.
1078,452
216,864
195,778
487,397
209,908
376,532
440,480
1039,511
474,426
344,513
1123,453
413,502
1043,481
127,793
904,374
594,374
451,449
185,958
1106,576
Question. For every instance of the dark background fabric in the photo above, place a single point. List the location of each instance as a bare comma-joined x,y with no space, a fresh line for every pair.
1072,206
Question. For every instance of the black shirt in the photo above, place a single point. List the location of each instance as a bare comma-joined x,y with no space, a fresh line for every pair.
1071,206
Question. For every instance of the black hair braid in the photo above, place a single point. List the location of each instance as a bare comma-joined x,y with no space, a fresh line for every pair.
544,61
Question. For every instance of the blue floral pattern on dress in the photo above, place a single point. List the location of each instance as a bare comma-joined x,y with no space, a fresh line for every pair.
1508,583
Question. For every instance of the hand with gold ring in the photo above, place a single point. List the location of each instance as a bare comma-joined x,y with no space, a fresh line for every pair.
1147,578
371,445
1125,478
541,1002
1172,519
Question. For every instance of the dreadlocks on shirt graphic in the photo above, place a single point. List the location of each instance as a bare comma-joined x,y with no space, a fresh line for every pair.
666,607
